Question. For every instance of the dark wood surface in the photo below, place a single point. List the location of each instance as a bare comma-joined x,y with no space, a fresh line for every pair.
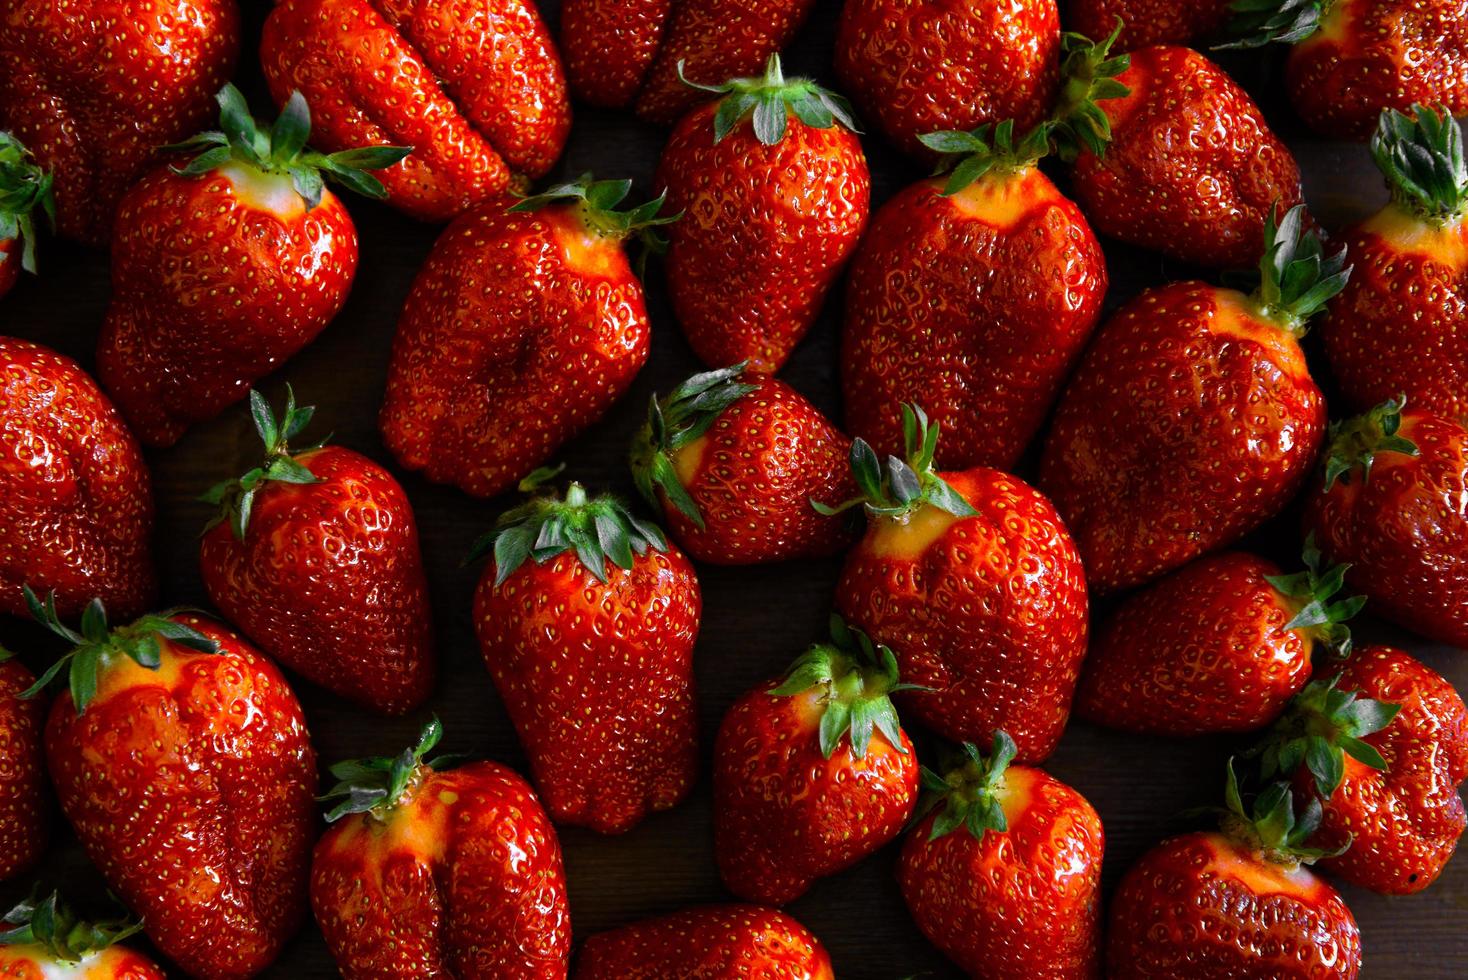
755,620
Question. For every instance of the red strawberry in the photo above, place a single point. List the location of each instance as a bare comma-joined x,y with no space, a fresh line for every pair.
94,87
1220,645
1005,875
802,788
707,941
24,825
1394,504
46,941
591,646
1192,418
920,67
1401,324
1148,22
437,873
315,556
639,52
225,268
973,295
485,384
476,89
76,505
25,191
972,580
774,190
734,463
181,759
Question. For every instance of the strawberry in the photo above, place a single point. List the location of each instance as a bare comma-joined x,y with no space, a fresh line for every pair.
483,385
76,504
46,941
1392,503
774,190
707,941
591,646
476,89
1221,645
24,825
314,555
735,462
428,872
1401,324
1192,418
1004,874
25,191
642,52
919,67
972,580
812,771
181,759
974,295
1148,22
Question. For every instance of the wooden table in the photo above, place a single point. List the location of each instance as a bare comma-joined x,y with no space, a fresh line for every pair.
755,620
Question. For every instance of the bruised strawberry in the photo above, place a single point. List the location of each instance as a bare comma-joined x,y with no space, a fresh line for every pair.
1148,22
735,462
707,941
25,192
774,191
523,327
46,941
590,643
812,772
428,872
314,554
25,827
1004,875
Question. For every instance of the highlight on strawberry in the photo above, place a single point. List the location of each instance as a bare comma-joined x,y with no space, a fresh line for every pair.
44,937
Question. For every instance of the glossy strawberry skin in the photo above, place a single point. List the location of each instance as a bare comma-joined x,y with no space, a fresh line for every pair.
25,827
1147,22
76,504
484,386
329,580
216,280
988,611
35,962
1202,906
712,940
463,879
1148,459
1201,651
94,87
975,306
915,68
1192,170
765,232
476,89
191,788
1018,904
610,46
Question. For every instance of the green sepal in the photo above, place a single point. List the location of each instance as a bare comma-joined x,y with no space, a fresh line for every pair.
1321,726
1421,156
1353,444
901,486
50,923
767,100
236,498
1256,23
24,189
1295,277
1312,589
1269,823
969,791
598,200
965,157
1088,73
378,783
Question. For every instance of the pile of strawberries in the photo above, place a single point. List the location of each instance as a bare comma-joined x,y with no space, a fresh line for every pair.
976,609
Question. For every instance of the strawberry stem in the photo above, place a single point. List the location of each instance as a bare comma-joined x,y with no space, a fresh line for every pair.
970,791
597,202
24,189
1421,156
769,99
378,784
1353,444
50,923
236,498
902,486
1323,725
1310,592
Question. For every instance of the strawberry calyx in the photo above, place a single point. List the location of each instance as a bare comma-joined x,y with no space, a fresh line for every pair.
970,791
379,784
967,156
1269,827
1323,725
282,150
901,486
1295,277
596,202
24,189
1354,443
769,98
1421,156
51,924
1256,23
1088,73
236,498
1310,591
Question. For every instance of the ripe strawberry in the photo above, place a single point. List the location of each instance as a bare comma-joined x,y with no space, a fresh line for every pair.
181,759
774,190
973,295
76,505
476,89
437,873
1401,325
1192,418
1004,875
314,555
1148,22
46,941
640,52
802,789
591,647
971,578
1391,503
24,825
1221,645
919,67
734,463
25,191
523,327
707,941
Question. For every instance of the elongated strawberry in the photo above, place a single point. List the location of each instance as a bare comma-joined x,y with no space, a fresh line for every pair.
1004,873
314,554
707,941
25,826
734,462
1192,418
523,327
1148,22
46,941
25,193
812,772
430,872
